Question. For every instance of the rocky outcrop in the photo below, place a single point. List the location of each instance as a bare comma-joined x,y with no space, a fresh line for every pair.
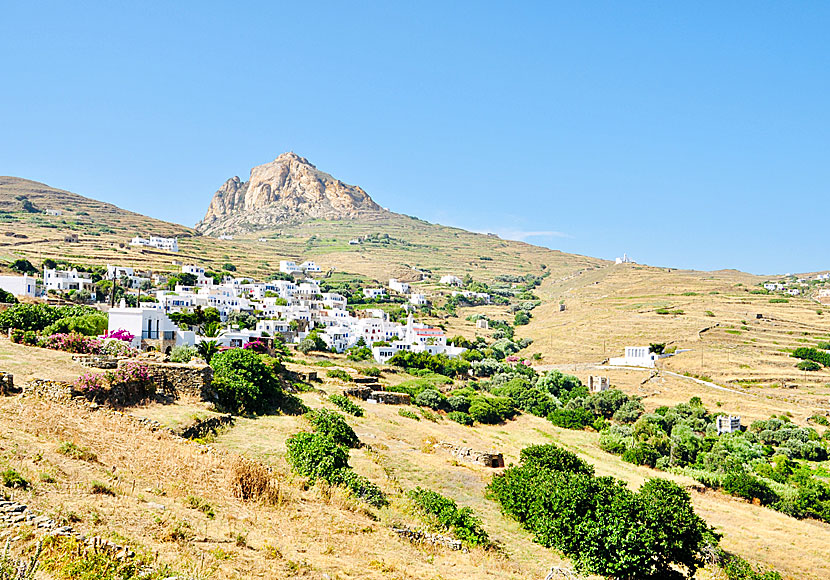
286,191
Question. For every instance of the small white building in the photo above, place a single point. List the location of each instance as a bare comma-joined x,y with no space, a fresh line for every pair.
150,326
418,299
65,280
373,293
169,244
19,285
401,287
624,260
225,237
450,280
473,296
310,267
54,212
290,267
727,424
635,356
483,324
598,384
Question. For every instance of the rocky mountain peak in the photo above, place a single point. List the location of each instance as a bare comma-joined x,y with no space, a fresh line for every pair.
287,190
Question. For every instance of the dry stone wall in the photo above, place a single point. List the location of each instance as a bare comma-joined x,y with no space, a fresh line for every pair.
180,381
485,458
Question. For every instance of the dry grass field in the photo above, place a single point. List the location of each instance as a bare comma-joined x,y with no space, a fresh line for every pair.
311,531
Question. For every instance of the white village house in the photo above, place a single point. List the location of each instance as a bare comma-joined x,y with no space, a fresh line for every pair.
65,280
150,326
451,280
169,244
635,356
400,287
19,285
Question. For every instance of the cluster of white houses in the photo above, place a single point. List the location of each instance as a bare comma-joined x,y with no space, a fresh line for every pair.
168,244
292,309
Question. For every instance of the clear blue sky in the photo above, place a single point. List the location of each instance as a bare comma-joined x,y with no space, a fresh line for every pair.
686,134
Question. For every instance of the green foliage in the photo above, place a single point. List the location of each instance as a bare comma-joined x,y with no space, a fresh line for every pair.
491,410
445,512
432,399
437,363
245,384
577,418
808,365
92,324
741,484
460,418
74,451
339,374
207,349
779,300
23,266
38,316
183,353
374,372
315,455
13,479
346,405
408,414
813,354
553,458
522,318
334,425
604,528
736,568
7,297
201,505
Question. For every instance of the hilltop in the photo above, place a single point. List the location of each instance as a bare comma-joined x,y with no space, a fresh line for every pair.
288,190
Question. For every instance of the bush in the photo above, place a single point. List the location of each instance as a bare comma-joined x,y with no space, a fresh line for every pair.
74,451
334,425
577,418
346,405
741,484
339,374
13,479
39,316
461,418
736,568
372,372
462,522
183,353
641,454
73,342
316,456
554,458
432,399
362,488
808,365
251,481
491,410
244,383
813,354
92,324
408,414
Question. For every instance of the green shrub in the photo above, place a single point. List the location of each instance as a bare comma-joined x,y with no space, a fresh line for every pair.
39,316
196,503
362,488
92,324
408,414
778,300
13,479
314,455
346,405
244,383
808,365
491,410
334,425
641,454
100,488
813,354
74,451
741,484
372,372
339,374
462,522
554,458
577,418
183,353
736,568
461,418
432,399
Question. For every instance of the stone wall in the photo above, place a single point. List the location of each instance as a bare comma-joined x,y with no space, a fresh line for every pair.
484,458
52,390
421,537
180,381
96,361
201,427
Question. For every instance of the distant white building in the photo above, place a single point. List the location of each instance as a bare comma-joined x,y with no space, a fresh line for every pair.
310,267
401,287
19,285
597,384
65,280
169,244
225,237
289,267
120,273
418,299
727,424
451,280
54,212
625,260
635,356
373,293
417,338
483,323
473,296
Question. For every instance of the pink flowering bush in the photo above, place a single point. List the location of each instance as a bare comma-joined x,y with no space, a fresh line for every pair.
72,342
90,383
257,346
120,334
131,372
118,348
512,358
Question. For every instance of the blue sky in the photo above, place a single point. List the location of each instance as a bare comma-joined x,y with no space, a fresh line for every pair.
686,134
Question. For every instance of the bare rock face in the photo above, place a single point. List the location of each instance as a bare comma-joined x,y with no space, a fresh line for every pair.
287,190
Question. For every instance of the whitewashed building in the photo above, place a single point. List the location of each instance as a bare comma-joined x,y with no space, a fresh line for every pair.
727,424
169,244
289,267
450,280
397,286
150,326
635,356
65,280
373,293
19,285
418,299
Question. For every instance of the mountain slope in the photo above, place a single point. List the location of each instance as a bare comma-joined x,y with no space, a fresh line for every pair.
287,190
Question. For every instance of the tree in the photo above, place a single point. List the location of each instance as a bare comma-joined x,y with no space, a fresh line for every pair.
243,382
657,347
7,297
207,348
23,266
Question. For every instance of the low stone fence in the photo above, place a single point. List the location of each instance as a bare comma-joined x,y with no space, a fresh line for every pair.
52,390
484,458
359,392
96,361
178,381
389,398
422,537
201,427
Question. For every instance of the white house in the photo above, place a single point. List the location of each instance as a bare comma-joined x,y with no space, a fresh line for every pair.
401,287
473,296
418,299
121,272
150,326
310,267
63,280
169,244
373,293
19,285
450,280
625,260
727,424
289,267
598,384
635,356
